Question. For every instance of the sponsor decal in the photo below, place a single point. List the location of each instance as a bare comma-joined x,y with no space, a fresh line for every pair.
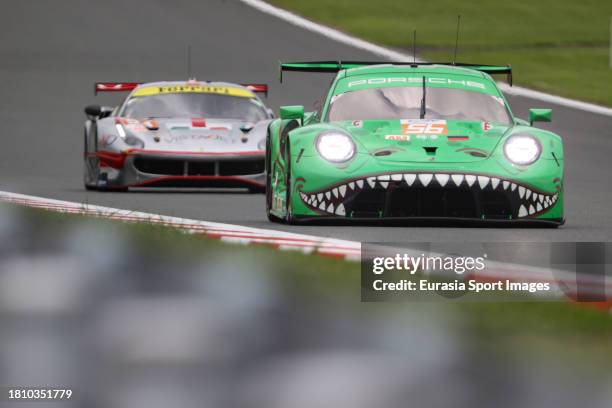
136,127
416,81
215,127
486,126
458,138
404,138
426,137
357,123
187,88
424,126
183,138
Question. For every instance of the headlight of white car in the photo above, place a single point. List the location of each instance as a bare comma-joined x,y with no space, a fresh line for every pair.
335,146
522,149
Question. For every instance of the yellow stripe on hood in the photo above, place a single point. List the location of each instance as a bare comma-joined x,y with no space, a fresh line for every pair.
174,89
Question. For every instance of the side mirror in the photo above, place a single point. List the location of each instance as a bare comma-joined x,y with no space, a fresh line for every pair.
539,115
97,111
93,110
292,112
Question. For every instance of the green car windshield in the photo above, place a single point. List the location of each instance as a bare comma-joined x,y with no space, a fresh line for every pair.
391,103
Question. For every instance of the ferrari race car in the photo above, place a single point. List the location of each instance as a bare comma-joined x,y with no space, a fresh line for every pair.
412,141
177,134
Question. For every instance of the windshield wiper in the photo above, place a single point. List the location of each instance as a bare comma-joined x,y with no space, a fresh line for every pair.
423,99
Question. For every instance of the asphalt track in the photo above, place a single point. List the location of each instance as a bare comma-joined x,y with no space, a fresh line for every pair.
52,52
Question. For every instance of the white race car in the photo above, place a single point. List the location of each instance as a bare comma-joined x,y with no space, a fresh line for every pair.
177,134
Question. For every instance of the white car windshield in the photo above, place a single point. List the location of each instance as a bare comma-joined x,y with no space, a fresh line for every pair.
185,105
405,103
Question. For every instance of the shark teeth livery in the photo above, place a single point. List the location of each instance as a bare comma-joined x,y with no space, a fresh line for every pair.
527,201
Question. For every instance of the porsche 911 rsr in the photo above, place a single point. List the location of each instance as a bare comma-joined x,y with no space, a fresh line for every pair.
177,134
413,141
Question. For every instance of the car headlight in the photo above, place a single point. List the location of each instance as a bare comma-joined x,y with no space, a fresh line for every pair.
522,149
335,147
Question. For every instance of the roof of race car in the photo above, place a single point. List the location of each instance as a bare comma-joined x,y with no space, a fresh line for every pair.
436,76
399,69
191,86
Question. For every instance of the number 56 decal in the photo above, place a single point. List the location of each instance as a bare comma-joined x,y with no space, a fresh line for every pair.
424,127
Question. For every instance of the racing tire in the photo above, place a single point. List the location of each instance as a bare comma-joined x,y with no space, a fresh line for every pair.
86,173
271,217
288,213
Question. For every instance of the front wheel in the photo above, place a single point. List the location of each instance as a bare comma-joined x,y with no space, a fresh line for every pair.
89,179
288,208
271,217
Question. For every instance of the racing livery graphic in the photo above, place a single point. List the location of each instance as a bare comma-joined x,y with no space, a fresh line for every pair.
422,141
177,134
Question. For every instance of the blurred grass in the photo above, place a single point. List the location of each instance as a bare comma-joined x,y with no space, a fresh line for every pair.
561,47
540,329
576,333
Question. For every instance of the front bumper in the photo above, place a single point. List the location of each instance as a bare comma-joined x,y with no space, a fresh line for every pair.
142,168
430,221
439,196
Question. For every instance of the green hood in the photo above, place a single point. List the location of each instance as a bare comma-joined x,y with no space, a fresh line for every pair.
393,140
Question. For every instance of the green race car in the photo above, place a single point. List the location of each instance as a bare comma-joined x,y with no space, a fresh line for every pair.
412,141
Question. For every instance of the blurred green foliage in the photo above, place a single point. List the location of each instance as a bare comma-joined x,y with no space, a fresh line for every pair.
556,46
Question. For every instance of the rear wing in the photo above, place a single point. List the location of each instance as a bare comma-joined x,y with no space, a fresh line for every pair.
335,66
129,86
257,88
114,86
